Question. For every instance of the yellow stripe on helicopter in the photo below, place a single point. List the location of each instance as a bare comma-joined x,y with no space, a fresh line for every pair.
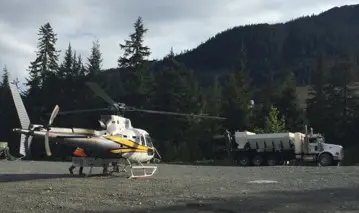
121,151
127,143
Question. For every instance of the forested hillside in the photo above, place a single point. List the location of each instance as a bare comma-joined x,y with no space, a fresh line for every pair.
274,49
261,62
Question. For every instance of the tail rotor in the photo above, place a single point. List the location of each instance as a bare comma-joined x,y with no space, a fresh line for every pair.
54,113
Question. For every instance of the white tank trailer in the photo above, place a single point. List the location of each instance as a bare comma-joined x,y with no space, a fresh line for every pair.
248,148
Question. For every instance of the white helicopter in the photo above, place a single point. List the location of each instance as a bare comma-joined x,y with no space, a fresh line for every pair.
118,139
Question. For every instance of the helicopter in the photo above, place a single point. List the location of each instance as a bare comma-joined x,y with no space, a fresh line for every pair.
117,140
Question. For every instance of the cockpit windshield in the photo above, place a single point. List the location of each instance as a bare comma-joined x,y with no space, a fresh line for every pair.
148,140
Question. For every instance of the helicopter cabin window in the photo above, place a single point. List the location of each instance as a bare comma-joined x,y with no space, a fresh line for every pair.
113,122
142,140
125,136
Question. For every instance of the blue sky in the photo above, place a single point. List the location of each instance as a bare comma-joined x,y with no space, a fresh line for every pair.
179,24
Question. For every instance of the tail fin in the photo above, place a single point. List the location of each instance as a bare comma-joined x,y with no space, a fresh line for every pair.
25,141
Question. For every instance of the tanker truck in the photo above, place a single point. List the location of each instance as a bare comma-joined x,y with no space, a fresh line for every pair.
248,148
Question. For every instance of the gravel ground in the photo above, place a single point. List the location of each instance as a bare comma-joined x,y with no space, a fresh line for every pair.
47,187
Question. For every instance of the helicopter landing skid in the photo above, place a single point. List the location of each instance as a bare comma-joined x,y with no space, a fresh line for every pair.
93,162
104,163
143,168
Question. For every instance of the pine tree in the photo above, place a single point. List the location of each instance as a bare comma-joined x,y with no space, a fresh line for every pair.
170,55
94,64
78,67
66,68
5,77
176,90
46,62
135,52
288,104
273,122
236,100
318,106
214,98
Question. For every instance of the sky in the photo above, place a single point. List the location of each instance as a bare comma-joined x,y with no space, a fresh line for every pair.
179,24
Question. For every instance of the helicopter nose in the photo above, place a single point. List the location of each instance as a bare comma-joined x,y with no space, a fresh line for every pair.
150,152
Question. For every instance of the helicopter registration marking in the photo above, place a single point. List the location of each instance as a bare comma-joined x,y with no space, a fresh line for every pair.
127,143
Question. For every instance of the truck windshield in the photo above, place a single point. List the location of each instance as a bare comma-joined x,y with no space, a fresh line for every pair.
316,140
320,140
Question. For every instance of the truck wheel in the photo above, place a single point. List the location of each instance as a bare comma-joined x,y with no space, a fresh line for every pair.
272,160
325,159
257,160
243,161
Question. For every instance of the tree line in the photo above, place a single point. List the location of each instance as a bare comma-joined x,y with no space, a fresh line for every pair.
169,85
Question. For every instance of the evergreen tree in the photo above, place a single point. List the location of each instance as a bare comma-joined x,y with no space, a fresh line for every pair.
5,77
237,94
288,104
77,66
135,52
44,68
317,103
333,106
273,123
175,90
171,54
94,64
46,62
66,68
236,101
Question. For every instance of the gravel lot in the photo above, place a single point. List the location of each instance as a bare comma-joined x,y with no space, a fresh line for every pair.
47,187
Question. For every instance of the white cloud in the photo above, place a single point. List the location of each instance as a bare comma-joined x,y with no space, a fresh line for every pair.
179,24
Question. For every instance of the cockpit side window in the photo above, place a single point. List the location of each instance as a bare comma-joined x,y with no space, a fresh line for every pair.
312,140
142,140
148,140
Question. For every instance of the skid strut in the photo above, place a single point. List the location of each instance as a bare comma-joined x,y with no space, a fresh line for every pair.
104,163
140,167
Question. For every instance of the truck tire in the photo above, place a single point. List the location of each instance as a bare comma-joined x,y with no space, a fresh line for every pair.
257,160
325,159
243,160
272,160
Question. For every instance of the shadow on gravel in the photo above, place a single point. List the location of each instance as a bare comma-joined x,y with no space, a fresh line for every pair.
325,200
27,177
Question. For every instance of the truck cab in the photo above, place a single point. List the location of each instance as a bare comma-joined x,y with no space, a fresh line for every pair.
327,154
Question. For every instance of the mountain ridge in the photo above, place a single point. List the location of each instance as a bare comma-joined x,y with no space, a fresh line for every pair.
274,49
280,44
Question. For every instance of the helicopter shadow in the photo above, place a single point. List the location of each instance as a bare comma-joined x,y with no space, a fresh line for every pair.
16,177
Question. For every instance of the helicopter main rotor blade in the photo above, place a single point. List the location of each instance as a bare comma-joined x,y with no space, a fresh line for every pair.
175,113
81,111
100,92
